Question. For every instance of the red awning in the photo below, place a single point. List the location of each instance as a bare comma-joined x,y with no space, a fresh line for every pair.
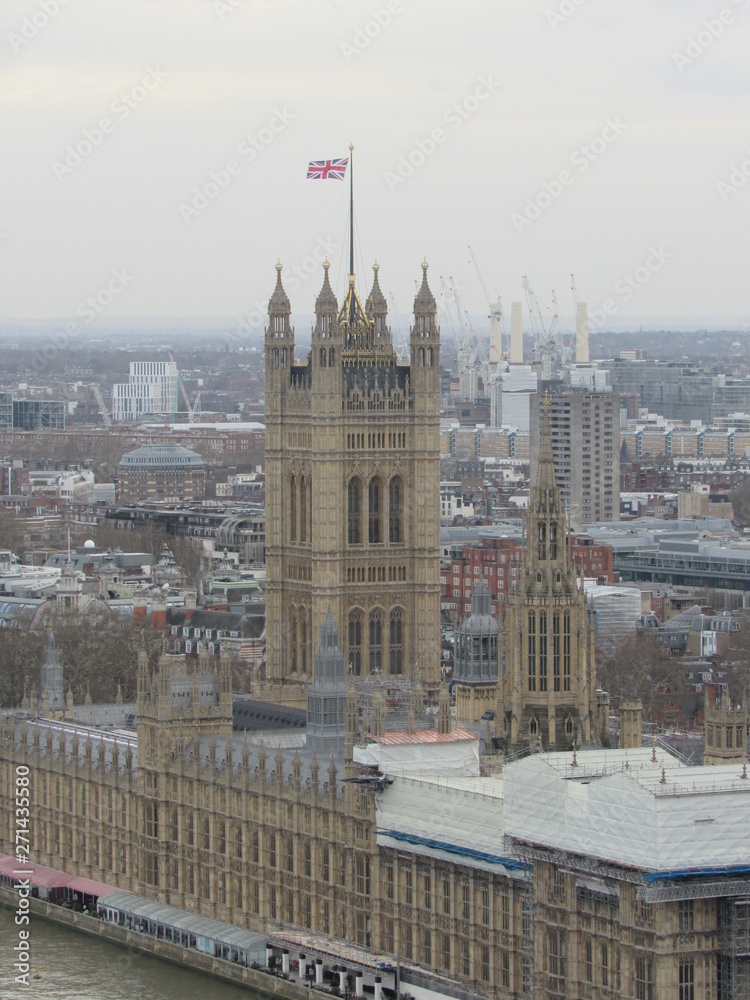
41,877
89,887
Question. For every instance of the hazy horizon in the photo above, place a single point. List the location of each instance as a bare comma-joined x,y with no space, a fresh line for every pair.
155,154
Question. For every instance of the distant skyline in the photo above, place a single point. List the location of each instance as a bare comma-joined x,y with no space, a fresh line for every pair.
154,155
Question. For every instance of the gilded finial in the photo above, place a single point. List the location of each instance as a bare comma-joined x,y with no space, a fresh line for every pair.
326,264
376,267
351,147
425,265
546,398
278,265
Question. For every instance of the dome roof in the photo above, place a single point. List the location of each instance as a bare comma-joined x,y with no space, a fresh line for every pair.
161,456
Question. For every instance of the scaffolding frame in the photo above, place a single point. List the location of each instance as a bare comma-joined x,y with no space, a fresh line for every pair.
734,949
670,892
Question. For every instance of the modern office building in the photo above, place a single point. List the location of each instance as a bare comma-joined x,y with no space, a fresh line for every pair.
675,390
38,414
152,388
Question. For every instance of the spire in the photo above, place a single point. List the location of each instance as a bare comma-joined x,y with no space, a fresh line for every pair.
325,304
279,301
425,300
376,301
52,675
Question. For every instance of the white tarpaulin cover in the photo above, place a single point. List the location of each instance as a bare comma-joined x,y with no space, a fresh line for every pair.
412,755
449,818
625,807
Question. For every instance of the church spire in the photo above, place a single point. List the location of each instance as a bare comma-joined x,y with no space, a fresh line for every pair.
52,676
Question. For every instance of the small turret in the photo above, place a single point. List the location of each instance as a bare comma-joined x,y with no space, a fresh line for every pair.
425,336
279,333
377,310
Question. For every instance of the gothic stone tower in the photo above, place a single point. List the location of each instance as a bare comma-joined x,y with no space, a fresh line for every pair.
548,692
352,487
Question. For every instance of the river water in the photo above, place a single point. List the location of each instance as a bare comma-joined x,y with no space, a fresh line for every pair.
73,966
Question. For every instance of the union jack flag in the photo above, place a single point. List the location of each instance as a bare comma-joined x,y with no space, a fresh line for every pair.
323,169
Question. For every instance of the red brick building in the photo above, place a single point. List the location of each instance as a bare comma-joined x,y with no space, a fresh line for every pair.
496,561
161,472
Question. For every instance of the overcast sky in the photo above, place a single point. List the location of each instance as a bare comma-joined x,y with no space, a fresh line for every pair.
158,149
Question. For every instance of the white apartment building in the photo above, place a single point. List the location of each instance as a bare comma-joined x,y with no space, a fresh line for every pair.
152,387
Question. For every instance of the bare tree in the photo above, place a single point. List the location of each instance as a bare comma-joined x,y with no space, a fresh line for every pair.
635,668
735,663
98,652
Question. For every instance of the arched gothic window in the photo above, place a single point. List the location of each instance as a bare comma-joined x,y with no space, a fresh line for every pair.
542,548
421,357
275,357
532,651
553,540
323,357
556,650
302,509
293,640
331,357
566,651
542,650
355,641
375,498
292,510
303,640
396,651
395,511
376,640
355,512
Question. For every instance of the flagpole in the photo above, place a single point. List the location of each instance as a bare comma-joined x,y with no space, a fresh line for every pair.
351,210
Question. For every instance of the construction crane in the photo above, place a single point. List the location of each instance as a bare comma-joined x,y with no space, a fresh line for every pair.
183,392
102,408
545,342
496,312
446,295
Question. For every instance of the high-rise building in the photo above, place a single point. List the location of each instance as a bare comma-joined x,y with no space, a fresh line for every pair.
352,487
585,429
153,387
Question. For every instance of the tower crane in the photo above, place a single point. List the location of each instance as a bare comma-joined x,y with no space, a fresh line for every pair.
102,408
186,398
545,342
497,329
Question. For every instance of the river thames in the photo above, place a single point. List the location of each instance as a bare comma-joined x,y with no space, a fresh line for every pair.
73,965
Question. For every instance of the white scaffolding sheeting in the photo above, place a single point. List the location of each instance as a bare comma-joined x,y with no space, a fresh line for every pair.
627,808
456,817
617,610
458,757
